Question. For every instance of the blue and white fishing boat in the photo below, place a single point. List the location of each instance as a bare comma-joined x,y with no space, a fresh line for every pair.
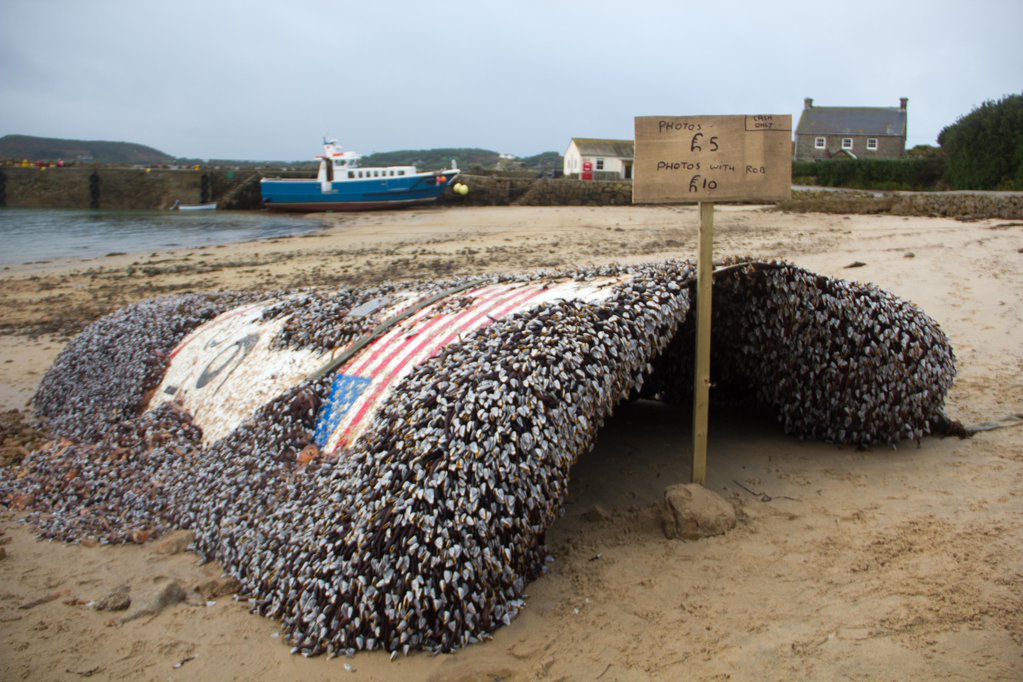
342,185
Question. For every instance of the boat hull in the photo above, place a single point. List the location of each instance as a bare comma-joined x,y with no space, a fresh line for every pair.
363,195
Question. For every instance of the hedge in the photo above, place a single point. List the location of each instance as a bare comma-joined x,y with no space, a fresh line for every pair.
882,174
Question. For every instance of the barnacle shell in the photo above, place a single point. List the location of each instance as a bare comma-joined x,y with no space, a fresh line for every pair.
422,531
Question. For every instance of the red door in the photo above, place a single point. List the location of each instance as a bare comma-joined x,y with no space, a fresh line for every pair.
587,170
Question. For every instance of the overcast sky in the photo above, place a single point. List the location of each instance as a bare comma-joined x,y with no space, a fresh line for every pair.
267,80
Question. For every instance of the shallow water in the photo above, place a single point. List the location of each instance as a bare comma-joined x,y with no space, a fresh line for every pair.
31,235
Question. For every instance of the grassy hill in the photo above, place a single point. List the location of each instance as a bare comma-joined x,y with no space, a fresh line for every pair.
82,151
18,147
433,158
466,157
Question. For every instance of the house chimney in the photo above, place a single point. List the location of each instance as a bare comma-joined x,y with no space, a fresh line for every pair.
808,103
902,102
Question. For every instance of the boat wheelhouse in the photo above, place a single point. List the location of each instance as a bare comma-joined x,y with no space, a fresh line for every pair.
341,184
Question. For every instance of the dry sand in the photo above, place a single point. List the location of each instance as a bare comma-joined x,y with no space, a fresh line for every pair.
884,564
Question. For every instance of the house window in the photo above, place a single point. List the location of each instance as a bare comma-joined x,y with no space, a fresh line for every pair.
872,144
846,143
818,142
600,164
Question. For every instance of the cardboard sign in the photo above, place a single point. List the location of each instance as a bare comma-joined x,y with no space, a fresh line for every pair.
712,158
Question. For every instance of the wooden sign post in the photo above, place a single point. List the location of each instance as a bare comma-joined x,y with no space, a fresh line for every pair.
706,159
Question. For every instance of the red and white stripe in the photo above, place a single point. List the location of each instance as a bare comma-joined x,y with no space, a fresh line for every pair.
396,353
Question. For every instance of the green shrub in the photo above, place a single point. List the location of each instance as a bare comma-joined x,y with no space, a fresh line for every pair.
921,173
984,149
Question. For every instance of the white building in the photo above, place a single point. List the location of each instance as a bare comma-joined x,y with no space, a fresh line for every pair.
593,159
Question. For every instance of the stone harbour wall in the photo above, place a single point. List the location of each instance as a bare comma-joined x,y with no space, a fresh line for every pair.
546,192
141,189
125,188
506,191
960,205
238,189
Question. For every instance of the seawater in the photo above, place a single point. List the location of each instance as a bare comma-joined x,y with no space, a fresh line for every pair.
29,235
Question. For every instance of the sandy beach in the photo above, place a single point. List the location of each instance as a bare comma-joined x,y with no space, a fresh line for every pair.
902,563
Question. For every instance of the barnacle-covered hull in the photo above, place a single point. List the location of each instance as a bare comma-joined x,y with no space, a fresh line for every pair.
390,484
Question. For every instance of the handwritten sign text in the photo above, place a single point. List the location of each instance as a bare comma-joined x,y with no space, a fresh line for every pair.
712,158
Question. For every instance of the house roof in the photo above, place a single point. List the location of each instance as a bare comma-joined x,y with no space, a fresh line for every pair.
852,121
591,146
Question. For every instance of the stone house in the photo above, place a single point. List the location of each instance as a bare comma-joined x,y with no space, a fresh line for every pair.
589,158
853,132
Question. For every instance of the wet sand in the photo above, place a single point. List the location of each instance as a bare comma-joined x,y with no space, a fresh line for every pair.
888,563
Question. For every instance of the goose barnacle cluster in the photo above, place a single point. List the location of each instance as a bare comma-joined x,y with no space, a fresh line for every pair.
422,531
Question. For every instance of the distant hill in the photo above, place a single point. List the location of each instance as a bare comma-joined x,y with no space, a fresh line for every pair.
466,157
428,159
81,151
19,147
544,161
